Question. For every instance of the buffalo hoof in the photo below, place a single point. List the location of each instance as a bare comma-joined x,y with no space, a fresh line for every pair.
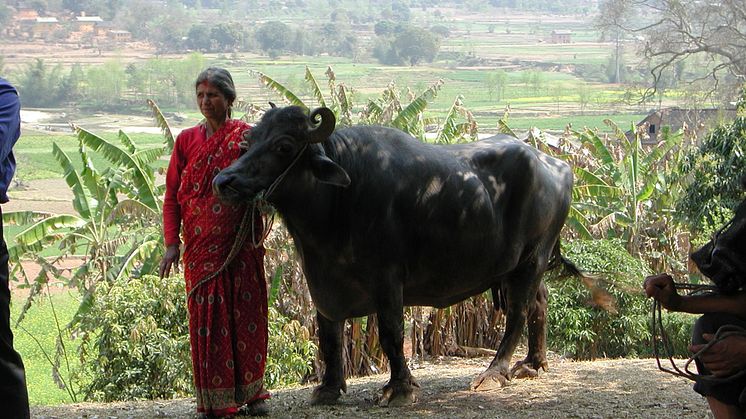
489,380
325,395
399,393
526,369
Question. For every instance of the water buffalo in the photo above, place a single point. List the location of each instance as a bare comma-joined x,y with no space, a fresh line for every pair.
382,221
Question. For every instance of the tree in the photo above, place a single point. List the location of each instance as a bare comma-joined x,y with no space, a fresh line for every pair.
5,16
39,85
273,35
585,95
384,28
198,38
496,82
400,11
613,16
106,83
416,45
715,168
227,36
676,31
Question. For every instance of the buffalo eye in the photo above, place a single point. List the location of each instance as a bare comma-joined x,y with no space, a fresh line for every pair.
284,147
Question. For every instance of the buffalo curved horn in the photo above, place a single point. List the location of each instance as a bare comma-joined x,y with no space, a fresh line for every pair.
272,105
325,126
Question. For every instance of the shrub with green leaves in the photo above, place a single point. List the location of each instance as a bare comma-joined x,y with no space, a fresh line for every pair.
291,352
135,343
135,340
580,328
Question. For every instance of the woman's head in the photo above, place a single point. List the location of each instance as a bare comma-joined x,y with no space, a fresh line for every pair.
215,92
221,79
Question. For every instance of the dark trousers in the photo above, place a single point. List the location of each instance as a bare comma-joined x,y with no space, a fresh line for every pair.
13,393
732,392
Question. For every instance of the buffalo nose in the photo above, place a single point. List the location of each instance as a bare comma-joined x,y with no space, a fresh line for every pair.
220,181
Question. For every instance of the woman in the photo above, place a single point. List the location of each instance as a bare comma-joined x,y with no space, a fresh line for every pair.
226,289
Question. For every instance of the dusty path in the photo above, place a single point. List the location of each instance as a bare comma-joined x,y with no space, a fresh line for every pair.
621,388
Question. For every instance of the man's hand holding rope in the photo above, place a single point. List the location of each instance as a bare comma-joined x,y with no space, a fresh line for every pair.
662,288
725,357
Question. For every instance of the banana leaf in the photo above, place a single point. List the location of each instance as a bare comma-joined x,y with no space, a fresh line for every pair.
162,123
280,89
141,177
83,203
315,89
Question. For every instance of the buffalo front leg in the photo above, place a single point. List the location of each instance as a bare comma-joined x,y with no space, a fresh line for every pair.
330,345
537,338
399,391
518,290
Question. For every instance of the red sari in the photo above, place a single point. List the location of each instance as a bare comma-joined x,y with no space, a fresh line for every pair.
227,299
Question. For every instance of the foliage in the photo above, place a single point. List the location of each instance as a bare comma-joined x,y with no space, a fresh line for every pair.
41,86
715,170
290,353
135,340
116,224
579,328
36,335
409,45
624,190
676,31
273,35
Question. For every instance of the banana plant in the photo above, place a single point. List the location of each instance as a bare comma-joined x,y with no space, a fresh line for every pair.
115,226
620,185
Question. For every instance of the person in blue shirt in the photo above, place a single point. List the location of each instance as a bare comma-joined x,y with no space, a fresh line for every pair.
13,393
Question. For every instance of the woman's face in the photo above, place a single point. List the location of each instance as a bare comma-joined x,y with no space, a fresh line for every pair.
212,102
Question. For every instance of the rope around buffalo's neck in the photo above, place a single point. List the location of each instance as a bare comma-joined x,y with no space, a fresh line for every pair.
659,336
279,179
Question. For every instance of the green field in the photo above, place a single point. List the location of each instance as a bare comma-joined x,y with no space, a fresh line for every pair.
36,336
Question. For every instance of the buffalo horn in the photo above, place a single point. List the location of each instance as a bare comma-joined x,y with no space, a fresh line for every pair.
324,128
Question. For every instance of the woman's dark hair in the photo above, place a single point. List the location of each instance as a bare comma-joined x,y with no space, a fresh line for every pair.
221,79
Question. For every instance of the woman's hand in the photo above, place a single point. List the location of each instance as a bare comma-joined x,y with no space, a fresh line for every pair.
663,290
725,357
171,258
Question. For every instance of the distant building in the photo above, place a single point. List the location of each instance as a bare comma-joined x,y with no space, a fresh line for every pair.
86,24
694,122
120,35
26,14
560,37
43,27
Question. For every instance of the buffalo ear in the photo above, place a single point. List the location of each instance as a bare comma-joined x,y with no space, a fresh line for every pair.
326,171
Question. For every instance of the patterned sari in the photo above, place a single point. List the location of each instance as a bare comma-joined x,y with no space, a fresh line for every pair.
227,299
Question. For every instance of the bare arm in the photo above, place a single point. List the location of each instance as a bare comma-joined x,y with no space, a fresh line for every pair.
661,288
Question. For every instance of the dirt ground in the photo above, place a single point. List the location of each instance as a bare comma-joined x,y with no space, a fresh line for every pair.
620,388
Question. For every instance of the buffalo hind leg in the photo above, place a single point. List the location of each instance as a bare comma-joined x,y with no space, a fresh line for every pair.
399,391
519,290
330,346
537,338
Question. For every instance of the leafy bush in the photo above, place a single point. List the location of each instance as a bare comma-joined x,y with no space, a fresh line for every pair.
291,352
583,330
135,343
136,340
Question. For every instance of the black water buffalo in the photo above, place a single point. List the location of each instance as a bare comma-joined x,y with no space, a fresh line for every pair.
382,221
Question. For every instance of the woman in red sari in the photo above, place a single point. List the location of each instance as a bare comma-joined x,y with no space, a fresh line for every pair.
226,289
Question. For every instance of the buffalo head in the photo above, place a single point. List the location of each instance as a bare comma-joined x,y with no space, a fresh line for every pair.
285,143
723,258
